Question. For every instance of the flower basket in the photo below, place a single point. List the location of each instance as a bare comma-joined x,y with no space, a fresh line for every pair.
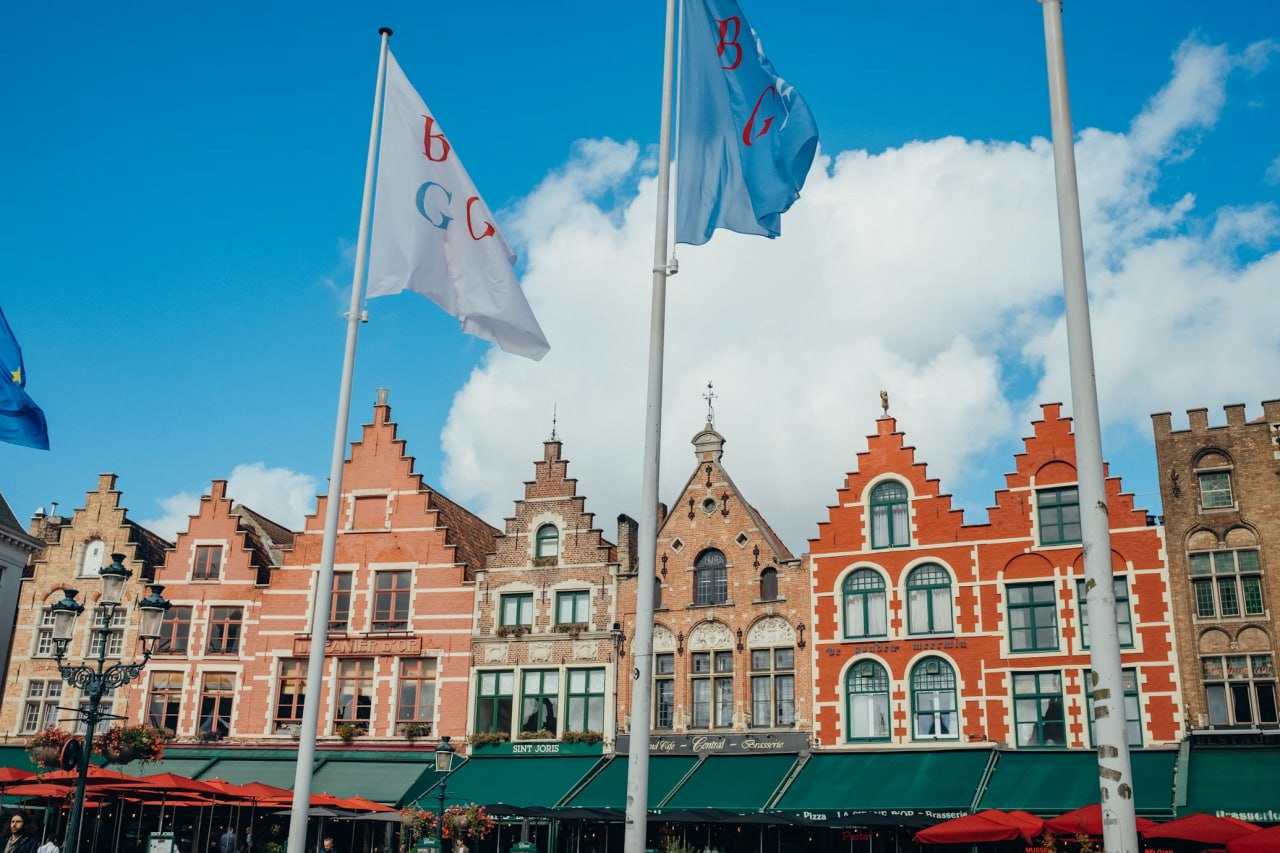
122,744
349,732
120,754
45,747
45,756
466,823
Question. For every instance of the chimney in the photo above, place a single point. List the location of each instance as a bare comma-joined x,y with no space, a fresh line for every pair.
628,539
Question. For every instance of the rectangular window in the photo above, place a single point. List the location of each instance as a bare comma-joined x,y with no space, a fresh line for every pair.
40,705
1037,709
115,636
585,701
773,688
217,698
224,630
340,602
1240,690
391,601
291,693
175,631
1124,619
1033,617
493,701
1132,707
573,608
1215,490
711,585
164,701
44,635
417,697
208,563
540,701
1227,583
1059,512
517,609
712,683
355,692
664,691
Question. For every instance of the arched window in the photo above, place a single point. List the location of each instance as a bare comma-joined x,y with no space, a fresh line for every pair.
657,593
548,541
933,700
710,578
867,698
93,559
929,600
769,584
890,526
1213,471
864,605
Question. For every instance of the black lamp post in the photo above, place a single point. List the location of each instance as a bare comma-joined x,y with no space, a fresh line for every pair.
444,763
96,678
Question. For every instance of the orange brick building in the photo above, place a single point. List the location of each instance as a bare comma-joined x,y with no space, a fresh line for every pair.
731,606
928,631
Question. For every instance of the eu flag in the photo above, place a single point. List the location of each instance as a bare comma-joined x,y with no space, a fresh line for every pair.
21,421
746,137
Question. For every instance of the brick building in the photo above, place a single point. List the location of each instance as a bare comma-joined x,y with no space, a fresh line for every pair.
1221,499
543,649
930,632
730,610
75,548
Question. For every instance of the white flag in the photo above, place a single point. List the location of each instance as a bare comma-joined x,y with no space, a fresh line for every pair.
434,235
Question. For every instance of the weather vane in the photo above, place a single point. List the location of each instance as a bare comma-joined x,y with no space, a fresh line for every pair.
709,396
553,421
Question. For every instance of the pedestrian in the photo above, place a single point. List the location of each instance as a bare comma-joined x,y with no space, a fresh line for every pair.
248,839
50,845
19,840
229,842
328,846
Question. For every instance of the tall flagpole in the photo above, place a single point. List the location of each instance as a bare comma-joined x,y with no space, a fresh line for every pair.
324,578
1115,776
642,644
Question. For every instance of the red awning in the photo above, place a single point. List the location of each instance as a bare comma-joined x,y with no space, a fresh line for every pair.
1262,841
990,825
1087,820
1202,828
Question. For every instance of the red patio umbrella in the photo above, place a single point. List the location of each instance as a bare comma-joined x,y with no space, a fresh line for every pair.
1262,841
361,804
1202,828
10,775
1086,820
38,789
96,776
990,825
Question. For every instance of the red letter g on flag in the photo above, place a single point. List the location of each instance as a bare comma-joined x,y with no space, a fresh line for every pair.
489,230
747,135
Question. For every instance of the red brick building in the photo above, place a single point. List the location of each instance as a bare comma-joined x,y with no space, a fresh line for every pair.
928,631
731,605
544,650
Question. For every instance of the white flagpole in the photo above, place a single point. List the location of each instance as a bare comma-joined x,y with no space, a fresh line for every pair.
1115,776
324,578
642,643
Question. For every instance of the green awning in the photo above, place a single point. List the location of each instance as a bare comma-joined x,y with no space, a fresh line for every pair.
380,781
1240,783
17,758
279,773
608,788
520,781
878,781
189,767
742,783
1054,782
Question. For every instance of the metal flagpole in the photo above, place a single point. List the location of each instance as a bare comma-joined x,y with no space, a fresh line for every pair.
642,643
324,579
1115,776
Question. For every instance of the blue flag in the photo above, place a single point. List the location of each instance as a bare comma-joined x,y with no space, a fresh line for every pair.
747,138
21,421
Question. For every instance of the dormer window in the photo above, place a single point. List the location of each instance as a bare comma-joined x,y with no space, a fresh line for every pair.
890,523
208,563
547,542
94,557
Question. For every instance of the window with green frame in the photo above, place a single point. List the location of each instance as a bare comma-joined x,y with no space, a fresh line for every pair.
1059,513
540,700
494,694
1124,617
1033,617
890,519
1132,707
929,600
573,607
933,701
547,542
585,701
516,608
1227,583
864,605
1037,709
866,690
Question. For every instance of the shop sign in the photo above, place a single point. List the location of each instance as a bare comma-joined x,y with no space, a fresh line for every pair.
361,646
736,743
1226,737
537,747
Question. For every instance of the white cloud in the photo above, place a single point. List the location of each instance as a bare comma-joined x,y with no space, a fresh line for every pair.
1273,172
282,495
930,270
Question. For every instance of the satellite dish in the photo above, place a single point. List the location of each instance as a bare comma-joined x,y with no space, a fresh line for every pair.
71,751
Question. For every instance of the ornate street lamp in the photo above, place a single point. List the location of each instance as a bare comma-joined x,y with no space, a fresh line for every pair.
96,678
444,763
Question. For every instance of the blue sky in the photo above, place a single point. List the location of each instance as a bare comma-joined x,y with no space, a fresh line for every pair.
182,198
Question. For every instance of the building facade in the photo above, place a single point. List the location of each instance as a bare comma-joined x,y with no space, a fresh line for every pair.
16,549
731,605
76,547
930,632
544,648
1221,497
